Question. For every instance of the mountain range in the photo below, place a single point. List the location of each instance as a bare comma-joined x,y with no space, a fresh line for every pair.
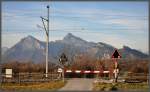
32,49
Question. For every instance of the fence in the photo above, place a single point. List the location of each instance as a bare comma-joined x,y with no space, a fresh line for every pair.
40,77
29,77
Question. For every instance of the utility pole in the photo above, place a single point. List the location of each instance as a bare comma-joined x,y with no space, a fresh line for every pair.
47,39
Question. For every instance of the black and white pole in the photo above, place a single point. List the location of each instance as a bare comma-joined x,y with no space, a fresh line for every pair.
116,70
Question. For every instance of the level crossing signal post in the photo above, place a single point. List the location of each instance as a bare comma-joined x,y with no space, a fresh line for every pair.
63,59
115,57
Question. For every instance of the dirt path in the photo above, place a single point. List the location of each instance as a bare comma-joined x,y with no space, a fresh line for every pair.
78,84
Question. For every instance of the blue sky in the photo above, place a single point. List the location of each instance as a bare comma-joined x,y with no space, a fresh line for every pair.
115,23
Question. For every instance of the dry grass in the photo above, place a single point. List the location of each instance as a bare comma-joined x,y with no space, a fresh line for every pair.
53,85
120,86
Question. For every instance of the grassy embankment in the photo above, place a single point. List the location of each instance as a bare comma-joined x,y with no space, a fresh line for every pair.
121,86
53,85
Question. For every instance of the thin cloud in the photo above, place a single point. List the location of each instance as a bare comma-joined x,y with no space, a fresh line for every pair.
94,24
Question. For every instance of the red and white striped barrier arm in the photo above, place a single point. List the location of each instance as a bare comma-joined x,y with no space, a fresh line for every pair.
84,71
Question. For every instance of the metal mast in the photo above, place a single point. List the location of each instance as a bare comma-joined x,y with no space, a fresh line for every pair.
47,39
